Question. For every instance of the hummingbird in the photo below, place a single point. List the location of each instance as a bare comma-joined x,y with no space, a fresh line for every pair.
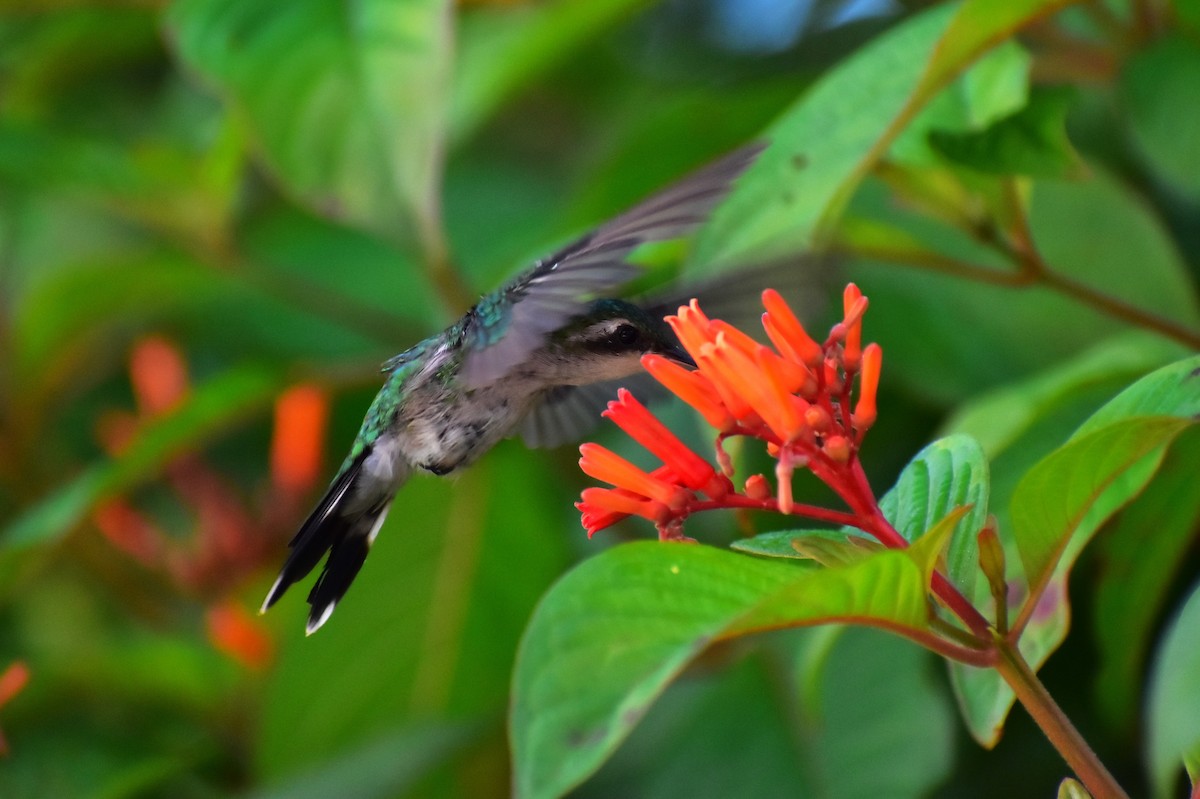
537,356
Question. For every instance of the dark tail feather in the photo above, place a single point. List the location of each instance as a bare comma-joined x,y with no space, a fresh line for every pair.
345,536
346,557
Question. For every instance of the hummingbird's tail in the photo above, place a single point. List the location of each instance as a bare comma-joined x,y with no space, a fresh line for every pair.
344,524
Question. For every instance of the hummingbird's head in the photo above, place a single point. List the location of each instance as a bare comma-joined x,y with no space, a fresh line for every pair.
608,341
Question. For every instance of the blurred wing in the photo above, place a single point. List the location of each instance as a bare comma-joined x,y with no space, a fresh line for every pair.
508,327
568,413
736,296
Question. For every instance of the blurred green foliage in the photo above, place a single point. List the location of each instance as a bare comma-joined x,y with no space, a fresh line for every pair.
205,204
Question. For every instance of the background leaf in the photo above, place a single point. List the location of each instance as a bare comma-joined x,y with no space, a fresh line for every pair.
644,611
347,103
1174,735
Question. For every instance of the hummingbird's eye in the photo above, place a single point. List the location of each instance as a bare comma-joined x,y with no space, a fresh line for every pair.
626,335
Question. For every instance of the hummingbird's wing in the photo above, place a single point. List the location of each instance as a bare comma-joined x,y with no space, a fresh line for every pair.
568,413
507,327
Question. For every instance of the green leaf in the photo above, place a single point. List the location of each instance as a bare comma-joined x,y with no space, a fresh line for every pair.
802,181
387,766
1059,505
210,408
874,691
839,725
948,474
79,319
994,87
999,419
1139,556
1032,141
503,48
610,636
1174,726
346,101
804,544
1158,90
738,724
1053,499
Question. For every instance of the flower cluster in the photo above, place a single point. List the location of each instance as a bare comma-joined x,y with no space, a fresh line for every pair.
796,397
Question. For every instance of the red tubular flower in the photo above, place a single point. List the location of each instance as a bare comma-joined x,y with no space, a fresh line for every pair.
793,397
692,387
603,464
602,507
864,410
780,321
853,306
632,417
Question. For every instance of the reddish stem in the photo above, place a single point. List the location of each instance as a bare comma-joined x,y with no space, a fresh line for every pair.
809,511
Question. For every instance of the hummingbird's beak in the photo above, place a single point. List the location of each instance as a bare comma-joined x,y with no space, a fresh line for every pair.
677,353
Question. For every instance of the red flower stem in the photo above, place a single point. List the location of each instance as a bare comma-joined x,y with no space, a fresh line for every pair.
1054,723
890,537
844,406
808,511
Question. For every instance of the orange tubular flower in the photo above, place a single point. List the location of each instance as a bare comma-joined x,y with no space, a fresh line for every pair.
692,387
602,507
864,410
692,470
780,321
854,304
603,464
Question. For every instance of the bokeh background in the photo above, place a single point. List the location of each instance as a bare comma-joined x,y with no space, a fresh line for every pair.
218,217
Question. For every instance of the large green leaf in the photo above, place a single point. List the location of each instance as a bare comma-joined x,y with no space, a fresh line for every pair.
209,408
1073,482
1032,141
501,48
802,181
948,474
1139,556
1174,724
1000,419
346,100
1157,87
610,636
1059,505
827,711
994,87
